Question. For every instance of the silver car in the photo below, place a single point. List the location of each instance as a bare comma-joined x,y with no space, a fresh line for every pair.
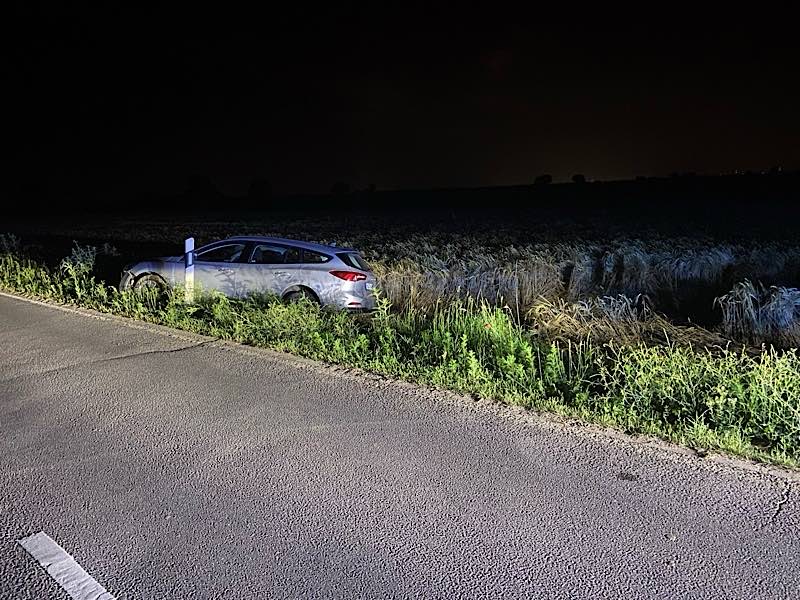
291,269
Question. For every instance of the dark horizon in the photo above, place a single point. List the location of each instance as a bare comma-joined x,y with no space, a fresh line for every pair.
117,104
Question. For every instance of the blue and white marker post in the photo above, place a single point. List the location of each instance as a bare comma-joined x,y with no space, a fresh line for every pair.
188,261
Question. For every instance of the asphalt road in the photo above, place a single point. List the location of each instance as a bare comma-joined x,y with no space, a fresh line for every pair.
175,467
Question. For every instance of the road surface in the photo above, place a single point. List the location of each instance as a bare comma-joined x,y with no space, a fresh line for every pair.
170,466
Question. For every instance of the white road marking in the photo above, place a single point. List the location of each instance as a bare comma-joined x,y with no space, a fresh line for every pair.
63,568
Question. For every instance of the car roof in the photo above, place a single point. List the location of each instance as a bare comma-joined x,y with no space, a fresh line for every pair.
298,243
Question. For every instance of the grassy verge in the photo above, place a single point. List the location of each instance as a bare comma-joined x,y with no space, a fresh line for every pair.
727,400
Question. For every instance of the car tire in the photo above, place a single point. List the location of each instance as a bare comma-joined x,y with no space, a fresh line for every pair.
150,281
299,295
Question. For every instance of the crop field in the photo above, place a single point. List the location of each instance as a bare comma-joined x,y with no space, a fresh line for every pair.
688,336
561,280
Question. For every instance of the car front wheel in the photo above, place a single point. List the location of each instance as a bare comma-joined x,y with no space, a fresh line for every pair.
150,281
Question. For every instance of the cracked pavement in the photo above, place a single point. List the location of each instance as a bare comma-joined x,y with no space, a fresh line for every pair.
173,466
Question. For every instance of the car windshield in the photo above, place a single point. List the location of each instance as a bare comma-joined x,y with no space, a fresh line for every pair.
354,260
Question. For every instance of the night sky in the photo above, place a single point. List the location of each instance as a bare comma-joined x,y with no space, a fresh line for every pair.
115,103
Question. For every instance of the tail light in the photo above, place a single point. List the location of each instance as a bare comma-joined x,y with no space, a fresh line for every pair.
349,275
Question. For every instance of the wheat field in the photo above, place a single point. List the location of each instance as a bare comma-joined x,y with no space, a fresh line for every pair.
561,280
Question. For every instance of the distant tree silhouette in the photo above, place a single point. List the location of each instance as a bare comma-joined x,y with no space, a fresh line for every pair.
259,193
201,190
340,188
543,179
578,178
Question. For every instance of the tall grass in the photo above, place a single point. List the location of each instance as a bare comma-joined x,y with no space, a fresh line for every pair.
761,315
748,405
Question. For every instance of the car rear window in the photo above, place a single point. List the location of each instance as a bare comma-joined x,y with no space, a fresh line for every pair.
354,260
309,256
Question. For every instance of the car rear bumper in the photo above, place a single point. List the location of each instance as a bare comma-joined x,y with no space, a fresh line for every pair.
354,301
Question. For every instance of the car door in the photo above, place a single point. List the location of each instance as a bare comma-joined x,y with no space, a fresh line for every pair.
270,269
215,269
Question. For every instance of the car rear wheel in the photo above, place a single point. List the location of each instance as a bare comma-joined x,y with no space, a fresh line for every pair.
299,295
150,281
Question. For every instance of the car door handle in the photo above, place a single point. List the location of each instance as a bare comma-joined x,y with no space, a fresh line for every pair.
279,272
224,270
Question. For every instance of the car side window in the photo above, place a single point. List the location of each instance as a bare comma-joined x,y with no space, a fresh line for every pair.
270,254
311,257
228,253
